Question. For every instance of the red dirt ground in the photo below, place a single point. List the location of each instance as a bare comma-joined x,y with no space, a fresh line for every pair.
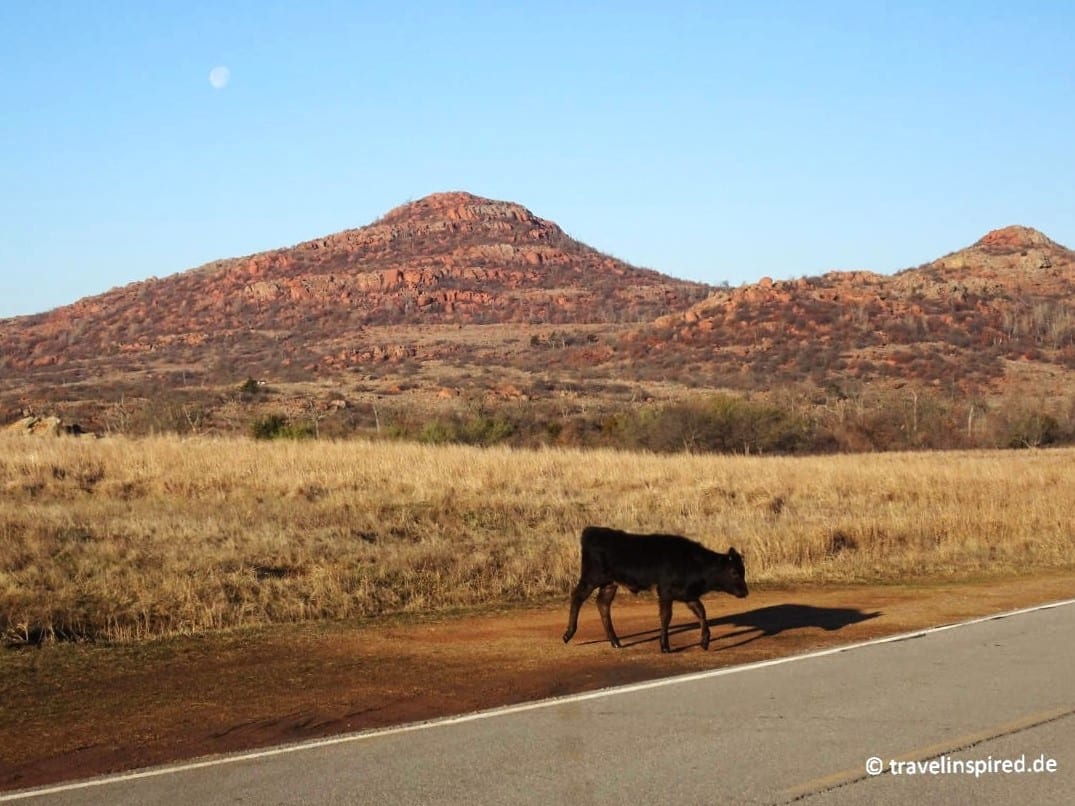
72,711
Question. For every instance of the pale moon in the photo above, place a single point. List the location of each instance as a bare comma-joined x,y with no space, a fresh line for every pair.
219,76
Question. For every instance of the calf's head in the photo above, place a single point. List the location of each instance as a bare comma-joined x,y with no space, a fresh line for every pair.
731,575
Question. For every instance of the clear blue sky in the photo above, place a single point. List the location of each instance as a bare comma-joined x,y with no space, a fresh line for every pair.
713,141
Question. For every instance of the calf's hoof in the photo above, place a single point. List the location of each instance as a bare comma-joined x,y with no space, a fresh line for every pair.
568,635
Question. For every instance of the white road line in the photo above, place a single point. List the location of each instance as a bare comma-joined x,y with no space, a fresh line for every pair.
474,716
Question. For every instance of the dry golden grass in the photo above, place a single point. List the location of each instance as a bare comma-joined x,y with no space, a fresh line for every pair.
129,539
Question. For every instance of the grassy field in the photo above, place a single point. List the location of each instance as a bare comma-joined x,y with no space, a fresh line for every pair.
125,540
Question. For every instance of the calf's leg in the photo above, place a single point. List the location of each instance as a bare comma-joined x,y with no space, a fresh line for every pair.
666,618
699,610
578,596
604,607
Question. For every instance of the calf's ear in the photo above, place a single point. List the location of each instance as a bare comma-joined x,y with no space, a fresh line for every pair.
732,552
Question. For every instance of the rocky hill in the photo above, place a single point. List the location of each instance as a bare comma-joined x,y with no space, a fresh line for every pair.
317,307
963,323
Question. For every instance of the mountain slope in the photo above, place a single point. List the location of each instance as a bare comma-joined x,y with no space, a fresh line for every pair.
449,258
957,322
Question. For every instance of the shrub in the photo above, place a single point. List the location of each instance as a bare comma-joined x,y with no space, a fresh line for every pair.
479,429
724,424
1032,430
276,426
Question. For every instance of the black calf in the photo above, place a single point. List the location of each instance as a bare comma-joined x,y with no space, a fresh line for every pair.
681,569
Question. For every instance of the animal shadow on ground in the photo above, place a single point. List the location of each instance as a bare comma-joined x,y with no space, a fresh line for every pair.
762,622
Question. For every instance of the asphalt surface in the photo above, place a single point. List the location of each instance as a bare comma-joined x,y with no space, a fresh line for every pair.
979,713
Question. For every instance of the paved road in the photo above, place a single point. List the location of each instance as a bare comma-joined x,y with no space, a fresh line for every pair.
975,695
